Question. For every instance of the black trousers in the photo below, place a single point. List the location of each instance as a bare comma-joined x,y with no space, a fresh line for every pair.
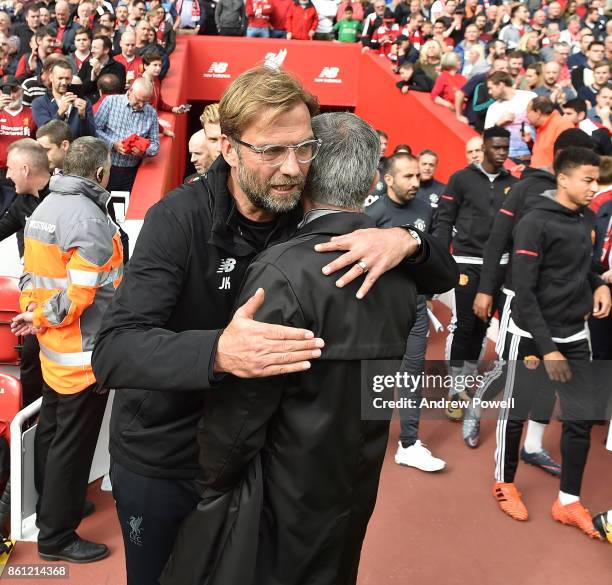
467,330
150,512
66,436
231,31
30,373
122,178
577,408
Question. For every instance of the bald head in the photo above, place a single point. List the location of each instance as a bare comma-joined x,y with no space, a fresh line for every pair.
551,72
139,95
473,150
199,153
62,12
128,44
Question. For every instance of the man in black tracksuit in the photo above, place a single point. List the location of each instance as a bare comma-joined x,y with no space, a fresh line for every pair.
166,335
31,187
522,197
473,196
401,205
289,465
554,296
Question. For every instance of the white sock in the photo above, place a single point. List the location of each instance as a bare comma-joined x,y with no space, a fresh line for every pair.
567,499
609,515
533,437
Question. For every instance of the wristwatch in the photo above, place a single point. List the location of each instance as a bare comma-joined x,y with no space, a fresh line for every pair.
417,237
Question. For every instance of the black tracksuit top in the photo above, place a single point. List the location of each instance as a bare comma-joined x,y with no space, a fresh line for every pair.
522,197
553,280
470,203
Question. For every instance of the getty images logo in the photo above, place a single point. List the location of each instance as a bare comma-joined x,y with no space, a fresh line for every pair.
218,70
329,75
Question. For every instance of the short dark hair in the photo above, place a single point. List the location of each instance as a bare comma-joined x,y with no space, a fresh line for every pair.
82,31
605,170
495,132
56,131
542,105
108,84
573,157
573,137
42,32
106,42
54,59
32,7
429,152
150,55
501,77
391,161
402,148
577,104
514,8
515,55
382,133
593,43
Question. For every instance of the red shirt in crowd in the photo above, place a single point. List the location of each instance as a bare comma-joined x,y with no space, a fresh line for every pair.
264,8
301,20
157,102
446,86
384,36
14,126
133,68
278,17
80,63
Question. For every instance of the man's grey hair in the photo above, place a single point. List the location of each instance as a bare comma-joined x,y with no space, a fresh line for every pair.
343,171
85,156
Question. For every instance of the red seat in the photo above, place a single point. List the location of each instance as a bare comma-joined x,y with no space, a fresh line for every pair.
9,307
10,401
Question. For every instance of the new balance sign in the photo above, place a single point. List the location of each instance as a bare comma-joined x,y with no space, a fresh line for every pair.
218,70
329,75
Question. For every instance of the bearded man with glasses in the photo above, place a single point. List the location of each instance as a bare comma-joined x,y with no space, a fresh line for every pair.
169,335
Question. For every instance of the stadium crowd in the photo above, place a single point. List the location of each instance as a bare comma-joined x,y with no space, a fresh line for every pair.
533,80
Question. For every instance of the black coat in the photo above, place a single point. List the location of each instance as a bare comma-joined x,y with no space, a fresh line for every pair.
289,463
90,89
522,197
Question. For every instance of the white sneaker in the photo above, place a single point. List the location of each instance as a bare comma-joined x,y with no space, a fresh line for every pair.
418,456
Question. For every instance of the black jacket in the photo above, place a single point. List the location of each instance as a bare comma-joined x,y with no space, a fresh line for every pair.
14,220
161,330
470,203
521,198
90,89
418,82
320,458
552,254
158,338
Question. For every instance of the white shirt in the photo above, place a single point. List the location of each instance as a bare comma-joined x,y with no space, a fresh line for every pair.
517,106
326,9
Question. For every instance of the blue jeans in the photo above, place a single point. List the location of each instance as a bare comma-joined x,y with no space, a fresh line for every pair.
258,31
277,33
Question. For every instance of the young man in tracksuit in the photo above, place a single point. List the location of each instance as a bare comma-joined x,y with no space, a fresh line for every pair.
521,198
555,295
401,205
472,198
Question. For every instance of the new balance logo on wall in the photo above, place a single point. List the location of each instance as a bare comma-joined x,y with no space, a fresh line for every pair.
218,70
275,60
329,75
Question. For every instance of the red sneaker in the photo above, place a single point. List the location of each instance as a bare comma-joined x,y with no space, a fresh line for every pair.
509,500
575,515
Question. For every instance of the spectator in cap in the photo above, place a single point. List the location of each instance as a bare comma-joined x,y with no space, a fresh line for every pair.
15,119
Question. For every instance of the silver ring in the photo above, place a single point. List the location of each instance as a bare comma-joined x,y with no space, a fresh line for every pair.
362,264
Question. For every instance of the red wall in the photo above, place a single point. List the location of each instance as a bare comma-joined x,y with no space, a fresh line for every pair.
337,73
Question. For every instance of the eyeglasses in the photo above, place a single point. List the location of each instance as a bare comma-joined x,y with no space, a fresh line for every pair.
275,155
